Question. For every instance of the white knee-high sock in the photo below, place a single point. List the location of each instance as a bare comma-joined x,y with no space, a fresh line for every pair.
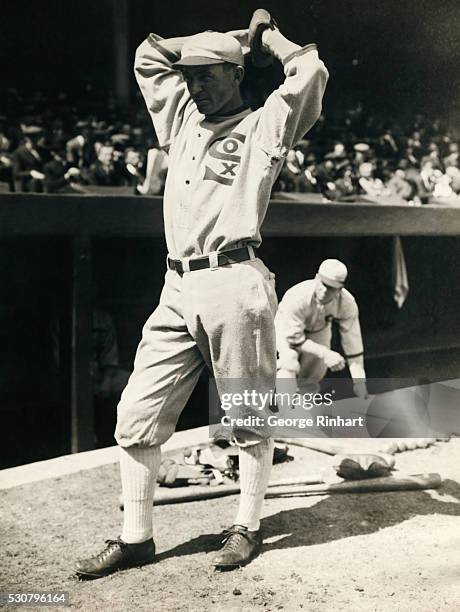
255,466
138,469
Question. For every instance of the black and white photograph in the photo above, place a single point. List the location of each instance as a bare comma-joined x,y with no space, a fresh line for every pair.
230,305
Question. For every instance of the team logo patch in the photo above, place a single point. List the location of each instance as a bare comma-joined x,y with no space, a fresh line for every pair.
226,153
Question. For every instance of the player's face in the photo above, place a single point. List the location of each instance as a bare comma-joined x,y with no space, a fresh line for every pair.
213,88
325,293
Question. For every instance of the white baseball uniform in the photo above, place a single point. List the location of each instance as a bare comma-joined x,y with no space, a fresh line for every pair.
221,171
301,318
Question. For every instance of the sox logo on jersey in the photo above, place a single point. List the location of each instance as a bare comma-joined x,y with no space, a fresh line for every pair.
226,151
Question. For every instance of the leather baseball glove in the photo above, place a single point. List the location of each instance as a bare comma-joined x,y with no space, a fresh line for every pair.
358,467
260,21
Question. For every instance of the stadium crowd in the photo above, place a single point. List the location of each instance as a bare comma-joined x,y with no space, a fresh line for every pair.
52,145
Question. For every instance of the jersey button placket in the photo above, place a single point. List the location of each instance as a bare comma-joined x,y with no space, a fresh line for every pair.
184,211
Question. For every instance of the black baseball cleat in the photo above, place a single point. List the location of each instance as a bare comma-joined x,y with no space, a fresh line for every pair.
240,547
117,555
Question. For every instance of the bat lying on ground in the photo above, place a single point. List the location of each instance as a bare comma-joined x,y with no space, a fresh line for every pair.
348,467
178,494
332,447
303,486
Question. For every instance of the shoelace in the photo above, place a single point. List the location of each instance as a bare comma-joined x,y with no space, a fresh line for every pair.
111,546
233,538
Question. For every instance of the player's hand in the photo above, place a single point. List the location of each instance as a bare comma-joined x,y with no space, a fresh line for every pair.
334,361
242,36
360,389
289,361
38,176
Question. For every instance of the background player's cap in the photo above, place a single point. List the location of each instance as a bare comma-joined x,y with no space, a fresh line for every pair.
211,48
333,272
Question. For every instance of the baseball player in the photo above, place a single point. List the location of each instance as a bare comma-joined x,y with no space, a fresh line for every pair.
218,303
304,330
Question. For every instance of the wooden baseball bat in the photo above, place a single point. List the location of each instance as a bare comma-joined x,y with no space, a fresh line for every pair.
302,486
415,482
325,445
174,495
330,447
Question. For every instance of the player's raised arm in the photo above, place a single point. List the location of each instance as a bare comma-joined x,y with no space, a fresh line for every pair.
292,109
163,87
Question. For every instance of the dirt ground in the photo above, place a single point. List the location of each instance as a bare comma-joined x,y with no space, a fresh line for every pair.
371,552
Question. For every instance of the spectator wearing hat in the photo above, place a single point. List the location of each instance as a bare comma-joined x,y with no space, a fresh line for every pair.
361,153
57,134
59,176
371,186
415,142
304,330
28,163
387,146
345,185
134,168
80,149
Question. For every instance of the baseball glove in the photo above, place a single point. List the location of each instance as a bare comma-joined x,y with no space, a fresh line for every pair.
260,21
358,467
167,473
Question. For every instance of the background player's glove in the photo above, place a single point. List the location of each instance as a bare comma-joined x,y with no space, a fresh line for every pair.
261,20
333,360
357,467
168,472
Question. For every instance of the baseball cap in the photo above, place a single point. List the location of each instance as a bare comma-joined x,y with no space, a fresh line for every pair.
333,273
31,130
211,48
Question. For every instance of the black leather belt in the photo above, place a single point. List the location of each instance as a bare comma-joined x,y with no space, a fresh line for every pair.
223,259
